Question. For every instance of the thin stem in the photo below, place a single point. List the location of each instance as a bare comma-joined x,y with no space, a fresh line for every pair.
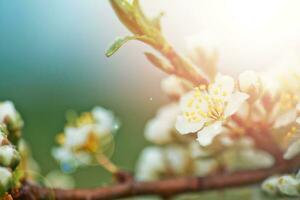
163,188
250,112
107,164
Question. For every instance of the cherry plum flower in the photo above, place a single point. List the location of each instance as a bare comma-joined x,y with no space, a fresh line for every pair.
161,129
88,136
205,109
173,86
157,162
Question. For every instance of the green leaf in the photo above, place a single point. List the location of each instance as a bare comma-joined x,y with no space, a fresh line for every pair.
119,42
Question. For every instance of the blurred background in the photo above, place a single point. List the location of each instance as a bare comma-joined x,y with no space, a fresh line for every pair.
52,60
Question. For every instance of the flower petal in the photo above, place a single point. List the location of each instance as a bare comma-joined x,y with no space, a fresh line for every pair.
298,120
226,83
292,151
288,185
105,118
298,107
184,127
286,119
207,134
76,137
234,103
159,131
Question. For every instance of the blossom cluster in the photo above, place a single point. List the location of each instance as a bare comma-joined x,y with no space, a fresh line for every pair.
206,127
10,157
84,138
179,160
288,185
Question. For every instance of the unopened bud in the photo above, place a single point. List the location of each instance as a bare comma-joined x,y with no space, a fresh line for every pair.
12,120
288,185
5,180
270,185
9,156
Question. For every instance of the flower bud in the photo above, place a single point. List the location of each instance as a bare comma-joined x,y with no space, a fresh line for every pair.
9,156
249,82
150,164
270,185
8,112
5,180
12,119
288,185
172,86
3,138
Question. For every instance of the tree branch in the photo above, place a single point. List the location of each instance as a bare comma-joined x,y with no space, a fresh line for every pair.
163,188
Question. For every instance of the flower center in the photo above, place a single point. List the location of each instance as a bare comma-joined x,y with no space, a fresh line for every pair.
206,104
288,101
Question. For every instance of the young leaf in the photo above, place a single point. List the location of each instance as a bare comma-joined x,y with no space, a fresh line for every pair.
119,42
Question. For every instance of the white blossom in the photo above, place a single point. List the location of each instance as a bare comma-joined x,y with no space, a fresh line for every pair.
270,185
160,129
105,120
177,159
173,86
82,140
150,164
286,118
247,159
197,151
155,162
270,85
204,110
289,185
282,85
69,160
287,72
249,82
293,150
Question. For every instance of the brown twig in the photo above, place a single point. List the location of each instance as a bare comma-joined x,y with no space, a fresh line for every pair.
162,188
